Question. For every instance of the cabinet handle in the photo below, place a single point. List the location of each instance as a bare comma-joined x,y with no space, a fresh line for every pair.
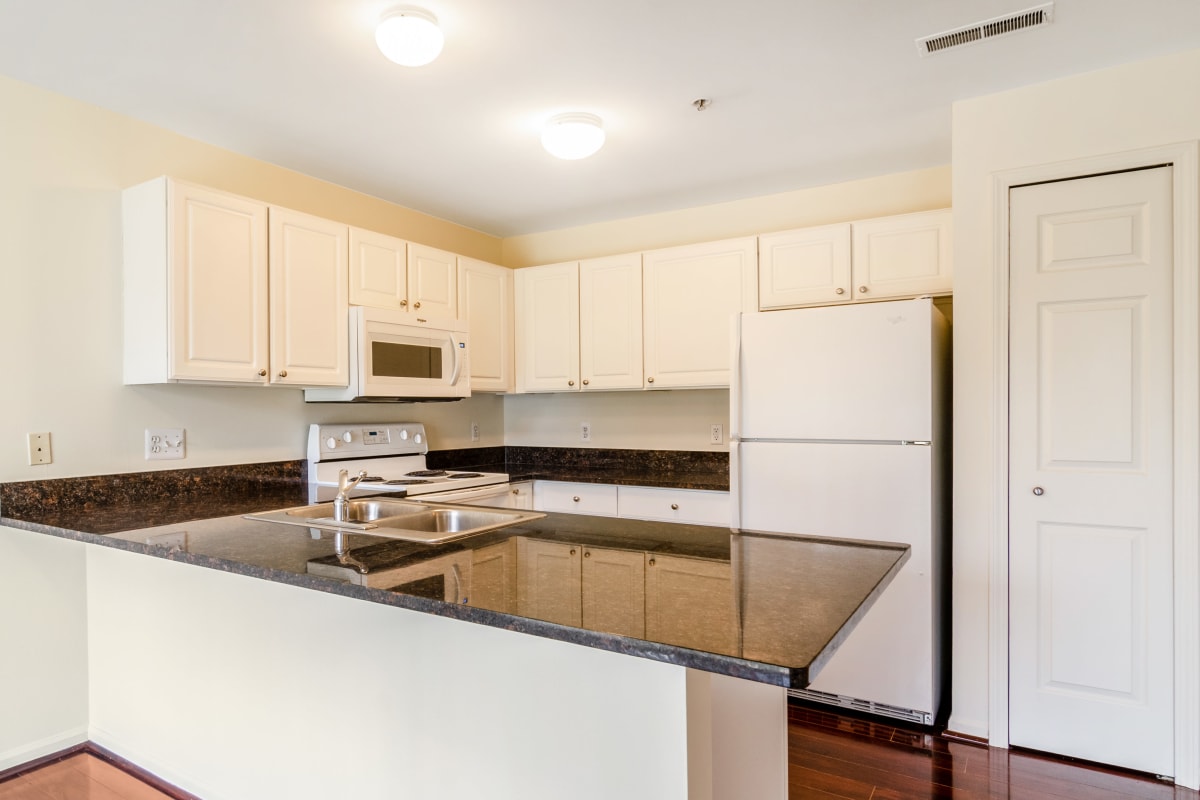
587,553
575,498
585,381
862,290
262,373
403,303
1039,491
516,491
283,373
839,290
417,304
674,506
572,551
651,562
570,383
649,380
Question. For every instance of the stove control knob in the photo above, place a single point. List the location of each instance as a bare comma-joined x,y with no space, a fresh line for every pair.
347,438
404,434
331,443
417,438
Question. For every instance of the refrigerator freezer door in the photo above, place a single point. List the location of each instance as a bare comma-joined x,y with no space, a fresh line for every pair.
859,491
859,372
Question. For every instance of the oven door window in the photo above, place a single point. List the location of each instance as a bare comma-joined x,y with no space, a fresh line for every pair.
406,360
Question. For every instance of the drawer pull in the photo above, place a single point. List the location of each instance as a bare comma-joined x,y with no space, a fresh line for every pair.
575,498
651,562
587,553
572,551
674,506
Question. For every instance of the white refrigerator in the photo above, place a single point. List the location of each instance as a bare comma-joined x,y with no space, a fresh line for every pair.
839,428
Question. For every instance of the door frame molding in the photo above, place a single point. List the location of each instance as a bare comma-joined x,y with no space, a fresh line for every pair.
1185,159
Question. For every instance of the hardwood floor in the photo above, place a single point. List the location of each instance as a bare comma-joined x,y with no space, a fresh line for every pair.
830,757
78,777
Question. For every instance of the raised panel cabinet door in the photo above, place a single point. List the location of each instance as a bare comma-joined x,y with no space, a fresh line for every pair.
804,267
614,591
689,602
903,256
690,295
485,298
309,313
378,270
610,323
494,577
549,581
432,281
218,286
548,328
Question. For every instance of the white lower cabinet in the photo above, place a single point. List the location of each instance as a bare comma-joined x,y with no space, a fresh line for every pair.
494,577
694,506
599,499
689,602
549,580
614,591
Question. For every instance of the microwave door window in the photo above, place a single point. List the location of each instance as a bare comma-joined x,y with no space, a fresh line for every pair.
396,360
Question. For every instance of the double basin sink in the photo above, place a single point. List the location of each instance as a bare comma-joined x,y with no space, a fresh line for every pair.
427,523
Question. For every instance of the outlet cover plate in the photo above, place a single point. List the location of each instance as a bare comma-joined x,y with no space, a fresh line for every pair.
164,443
39,449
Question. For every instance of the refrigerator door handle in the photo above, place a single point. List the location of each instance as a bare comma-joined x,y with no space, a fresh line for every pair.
735,379
735,497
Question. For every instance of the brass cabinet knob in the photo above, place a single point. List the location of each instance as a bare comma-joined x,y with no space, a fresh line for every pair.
651,562
417,304
649,380
262,373
862,290
839,290
572,551
587,553
585,381
283,373
674,506
403,303
575,498
570,383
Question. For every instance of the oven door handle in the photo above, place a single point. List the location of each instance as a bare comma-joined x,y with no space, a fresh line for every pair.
458,359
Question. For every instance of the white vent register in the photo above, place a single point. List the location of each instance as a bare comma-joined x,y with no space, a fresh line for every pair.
987,29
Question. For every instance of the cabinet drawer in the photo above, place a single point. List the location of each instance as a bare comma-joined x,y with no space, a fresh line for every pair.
674,505
575,498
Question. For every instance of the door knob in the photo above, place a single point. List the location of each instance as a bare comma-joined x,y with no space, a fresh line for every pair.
1039,491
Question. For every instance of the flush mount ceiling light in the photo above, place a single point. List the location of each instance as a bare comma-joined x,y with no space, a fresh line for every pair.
573,136
409,36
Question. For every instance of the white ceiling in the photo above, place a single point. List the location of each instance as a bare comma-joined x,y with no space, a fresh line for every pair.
803,93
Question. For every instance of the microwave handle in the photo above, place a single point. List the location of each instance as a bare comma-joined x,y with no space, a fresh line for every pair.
457,361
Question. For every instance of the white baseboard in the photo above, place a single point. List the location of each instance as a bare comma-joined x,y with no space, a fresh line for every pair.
42,747
149,764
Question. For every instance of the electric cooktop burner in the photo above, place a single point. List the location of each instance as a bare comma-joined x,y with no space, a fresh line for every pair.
457,475
403,482
426,473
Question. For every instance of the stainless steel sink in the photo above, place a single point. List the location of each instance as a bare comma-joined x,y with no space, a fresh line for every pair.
429,523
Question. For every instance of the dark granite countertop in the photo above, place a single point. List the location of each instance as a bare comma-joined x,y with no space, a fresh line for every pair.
755,606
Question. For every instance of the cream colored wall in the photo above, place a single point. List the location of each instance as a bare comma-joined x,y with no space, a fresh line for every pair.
900,193
64,164
1125,108
43,669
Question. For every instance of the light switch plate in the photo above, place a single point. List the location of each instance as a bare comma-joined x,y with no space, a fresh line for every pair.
164,443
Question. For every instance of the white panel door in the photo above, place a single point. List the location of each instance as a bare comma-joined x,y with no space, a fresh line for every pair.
548,328
485,300
432,281
610,323
378,269
310,333
218,297
843,372
1091,503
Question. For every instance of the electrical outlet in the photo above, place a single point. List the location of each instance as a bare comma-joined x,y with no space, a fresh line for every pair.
716,434
474,431
39,449
164,443
585,431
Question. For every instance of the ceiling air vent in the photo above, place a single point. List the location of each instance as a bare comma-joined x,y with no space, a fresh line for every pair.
988,29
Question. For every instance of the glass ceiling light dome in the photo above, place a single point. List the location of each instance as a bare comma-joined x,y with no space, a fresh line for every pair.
409,36
573,136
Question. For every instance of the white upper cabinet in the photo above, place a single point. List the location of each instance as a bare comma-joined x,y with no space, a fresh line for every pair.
805,267
547,306
610,323
689,298
386,272
198,305
378,270
308,309
432,281
903,256
485,298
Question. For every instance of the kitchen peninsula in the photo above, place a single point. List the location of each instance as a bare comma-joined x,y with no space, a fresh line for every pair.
279,671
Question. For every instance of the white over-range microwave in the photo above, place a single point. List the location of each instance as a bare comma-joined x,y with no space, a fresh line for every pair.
400,355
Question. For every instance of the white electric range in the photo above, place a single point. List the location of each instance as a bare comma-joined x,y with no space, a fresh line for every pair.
393,456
